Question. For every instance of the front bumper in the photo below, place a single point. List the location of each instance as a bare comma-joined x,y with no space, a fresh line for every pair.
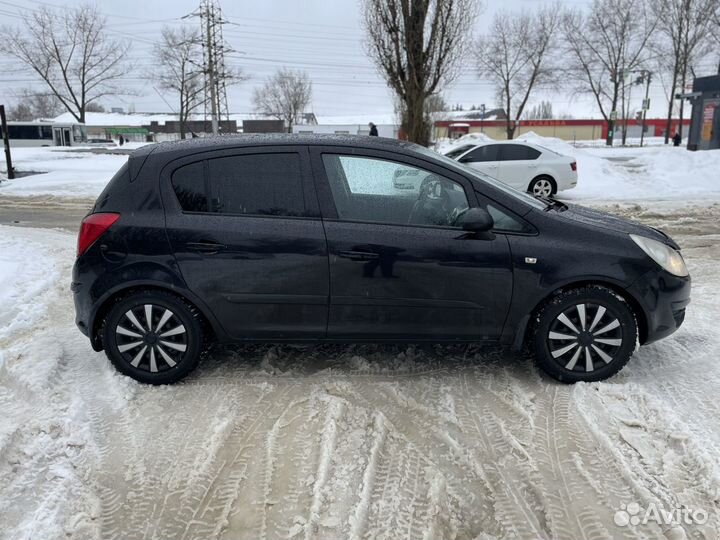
663,299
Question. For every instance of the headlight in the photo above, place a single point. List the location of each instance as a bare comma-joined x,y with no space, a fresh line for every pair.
667,257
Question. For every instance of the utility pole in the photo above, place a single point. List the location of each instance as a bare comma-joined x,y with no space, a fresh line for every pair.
647,76
210,51
482,118
214,47
6,140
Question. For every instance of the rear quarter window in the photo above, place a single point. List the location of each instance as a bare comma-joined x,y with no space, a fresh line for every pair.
189,185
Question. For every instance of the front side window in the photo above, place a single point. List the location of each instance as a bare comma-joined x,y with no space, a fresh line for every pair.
482,153
457,152
257,184
382,191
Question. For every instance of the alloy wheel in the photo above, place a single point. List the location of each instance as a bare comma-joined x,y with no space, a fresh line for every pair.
585,337
542,188
151,338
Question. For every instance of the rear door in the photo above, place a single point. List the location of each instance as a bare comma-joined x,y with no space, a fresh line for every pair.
245,228
518,165
400,268
484,158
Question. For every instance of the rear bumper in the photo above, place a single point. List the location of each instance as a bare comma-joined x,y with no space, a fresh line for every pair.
664,299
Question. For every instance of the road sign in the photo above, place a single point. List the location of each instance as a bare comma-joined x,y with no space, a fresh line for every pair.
613,115
646,104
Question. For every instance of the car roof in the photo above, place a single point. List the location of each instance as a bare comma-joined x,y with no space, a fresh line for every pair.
200,144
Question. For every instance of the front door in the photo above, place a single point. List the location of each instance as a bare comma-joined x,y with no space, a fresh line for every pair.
248,239
485,159
518,165
400,266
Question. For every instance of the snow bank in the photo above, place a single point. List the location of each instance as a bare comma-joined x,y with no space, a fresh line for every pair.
62,173
628,174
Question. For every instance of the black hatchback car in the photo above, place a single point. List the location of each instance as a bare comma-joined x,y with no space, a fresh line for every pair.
297,238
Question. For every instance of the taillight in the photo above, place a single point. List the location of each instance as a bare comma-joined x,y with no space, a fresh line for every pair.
92,228
573,165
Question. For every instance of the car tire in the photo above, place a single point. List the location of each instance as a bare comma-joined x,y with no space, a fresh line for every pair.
584,334
544,186
161,350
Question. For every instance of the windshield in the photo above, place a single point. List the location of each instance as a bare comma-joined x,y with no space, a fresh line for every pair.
456,152
482,177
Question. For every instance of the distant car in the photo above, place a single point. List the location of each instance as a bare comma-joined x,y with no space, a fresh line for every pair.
525,166
358,239
100,142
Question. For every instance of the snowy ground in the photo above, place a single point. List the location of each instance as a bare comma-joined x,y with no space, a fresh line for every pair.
354,442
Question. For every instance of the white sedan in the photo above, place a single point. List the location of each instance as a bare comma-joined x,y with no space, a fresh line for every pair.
522,165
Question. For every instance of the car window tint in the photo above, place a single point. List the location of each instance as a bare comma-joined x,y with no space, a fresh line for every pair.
189,185
482,153
377,190
258,184
455,152
517,152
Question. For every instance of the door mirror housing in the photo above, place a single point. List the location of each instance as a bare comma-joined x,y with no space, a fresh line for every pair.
477,220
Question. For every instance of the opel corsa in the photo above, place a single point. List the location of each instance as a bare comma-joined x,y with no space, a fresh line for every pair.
356,239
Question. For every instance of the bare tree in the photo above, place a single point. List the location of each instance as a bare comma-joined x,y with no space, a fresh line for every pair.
685,29
541,111
417,46
516,57
604,48
70,51
179,69
32,105
284,96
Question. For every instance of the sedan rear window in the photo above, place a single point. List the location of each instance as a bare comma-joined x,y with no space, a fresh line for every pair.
518,152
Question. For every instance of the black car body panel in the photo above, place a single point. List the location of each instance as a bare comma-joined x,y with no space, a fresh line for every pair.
315,277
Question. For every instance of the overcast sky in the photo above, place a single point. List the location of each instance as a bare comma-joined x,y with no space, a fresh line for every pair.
323,37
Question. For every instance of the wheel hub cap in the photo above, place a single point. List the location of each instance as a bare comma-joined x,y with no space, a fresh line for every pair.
585,337
151,338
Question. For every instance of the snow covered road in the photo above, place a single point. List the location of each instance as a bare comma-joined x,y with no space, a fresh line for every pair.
352,442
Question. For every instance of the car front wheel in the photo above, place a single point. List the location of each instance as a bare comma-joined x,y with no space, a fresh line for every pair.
585,334
153,337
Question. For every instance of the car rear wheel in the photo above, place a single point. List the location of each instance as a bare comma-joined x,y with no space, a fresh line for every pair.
542,186
153,337
586,334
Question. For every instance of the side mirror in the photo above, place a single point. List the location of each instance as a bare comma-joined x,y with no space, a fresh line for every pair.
477,220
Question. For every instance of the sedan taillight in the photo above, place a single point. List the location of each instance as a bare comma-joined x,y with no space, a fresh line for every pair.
573,165
92,228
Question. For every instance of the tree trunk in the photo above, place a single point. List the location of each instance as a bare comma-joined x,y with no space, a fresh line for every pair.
416,129
668,124
682,102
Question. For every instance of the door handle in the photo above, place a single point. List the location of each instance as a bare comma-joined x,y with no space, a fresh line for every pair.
358,255
205,247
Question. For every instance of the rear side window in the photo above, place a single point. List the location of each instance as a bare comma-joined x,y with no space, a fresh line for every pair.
189,185
518,152
482,153
260,184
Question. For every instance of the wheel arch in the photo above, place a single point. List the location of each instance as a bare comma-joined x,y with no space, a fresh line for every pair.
212,328
525,330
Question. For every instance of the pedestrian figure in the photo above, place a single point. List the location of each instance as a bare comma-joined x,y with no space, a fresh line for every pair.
677,139
373,130
122,140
